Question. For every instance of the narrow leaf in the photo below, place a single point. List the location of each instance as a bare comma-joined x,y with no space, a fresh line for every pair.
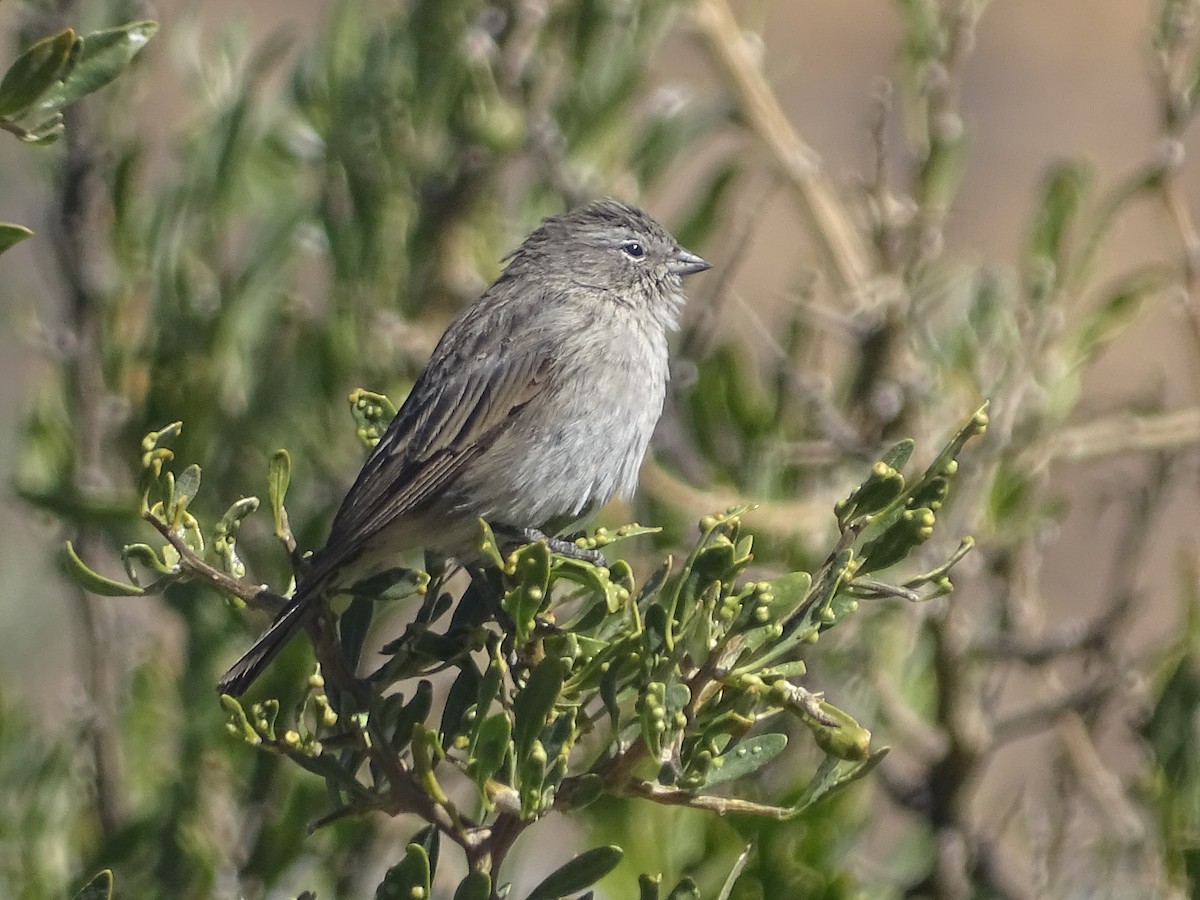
94,581
476,886
491,745
279,476
12,234
584,870
833,775
430,840
534,703
187,485
749,756
461,696
735,873
407,878
99,888
103,56
34,72
532,567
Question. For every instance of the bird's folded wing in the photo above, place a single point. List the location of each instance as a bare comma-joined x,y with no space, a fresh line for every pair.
454,412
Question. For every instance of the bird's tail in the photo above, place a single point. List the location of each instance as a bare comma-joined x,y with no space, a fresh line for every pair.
291,619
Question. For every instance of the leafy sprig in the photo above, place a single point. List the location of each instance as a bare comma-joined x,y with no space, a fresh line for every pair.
572,680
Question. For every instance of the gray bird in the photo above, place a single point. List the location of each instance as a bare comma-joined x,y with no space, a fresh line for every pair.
534,410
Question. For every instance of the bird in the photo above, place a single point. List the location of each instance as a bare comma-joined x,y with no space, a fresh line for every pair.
534,410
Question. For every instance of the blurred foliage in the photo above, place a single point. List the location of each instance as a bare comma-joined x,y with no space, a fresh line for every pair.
310,223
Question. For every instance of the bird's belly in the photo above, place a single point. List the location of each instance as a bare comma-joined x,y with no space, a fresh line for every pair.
556,468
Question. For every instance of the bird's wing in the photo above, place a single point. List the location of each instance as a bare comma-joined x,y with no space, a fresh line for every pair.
458,407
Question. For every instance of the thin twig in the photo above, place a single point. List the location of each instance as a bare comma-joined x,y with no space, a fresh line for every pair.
722,806
259,596
1040,715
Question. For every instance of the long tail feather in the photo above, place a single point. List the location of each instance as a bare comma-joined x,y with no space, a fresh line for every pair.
290,621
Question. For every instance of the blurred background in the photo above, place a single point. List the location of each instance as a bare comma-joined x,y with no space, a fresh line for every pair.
911,207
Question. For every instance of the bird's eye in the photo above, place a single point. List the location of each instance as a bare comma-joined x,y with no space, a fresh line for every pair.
634,249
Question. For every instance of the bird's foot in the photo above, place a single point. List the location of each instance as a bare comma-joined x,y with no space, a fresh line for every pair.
564,546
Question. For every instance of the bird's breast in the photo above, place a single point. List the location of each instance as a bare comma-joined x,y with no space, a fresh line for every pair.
582,441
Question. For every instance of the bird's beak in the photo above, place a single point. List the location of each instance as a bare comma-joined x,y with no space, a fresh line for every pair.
684,262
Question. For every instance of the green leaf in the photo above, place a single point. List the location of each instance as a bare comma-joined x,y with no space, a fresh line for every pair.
488,546
735,873
584,870
911,528
46,131
34,72
883,486
596,580
12,234
489,684
523,602
1120,306
461,696
430,840
531,778
99,888
651,708
945,462
279,476
476,886
588,789
389,584
748,756
789,592
187,485
413,714
103,55
146,556
833,775
407,878
1062,197
899,453
372,414
353,626
535,702
491,745
94,581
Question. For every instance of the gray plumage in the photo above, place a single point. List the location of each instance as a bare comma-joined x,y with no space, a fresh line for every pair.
534,410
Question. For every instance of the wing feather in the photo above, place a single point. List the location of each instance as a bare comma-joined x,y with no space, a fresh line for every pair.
458,407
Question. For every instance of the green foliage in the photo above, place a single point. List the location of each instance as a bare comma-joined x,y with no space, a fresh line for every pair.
594,684
1170,734
39,784
52,74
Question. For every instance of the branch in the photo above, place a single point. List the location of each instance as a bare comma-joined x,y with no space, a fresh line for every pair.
829,223
1038,716
259,596
721,805
1127,433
